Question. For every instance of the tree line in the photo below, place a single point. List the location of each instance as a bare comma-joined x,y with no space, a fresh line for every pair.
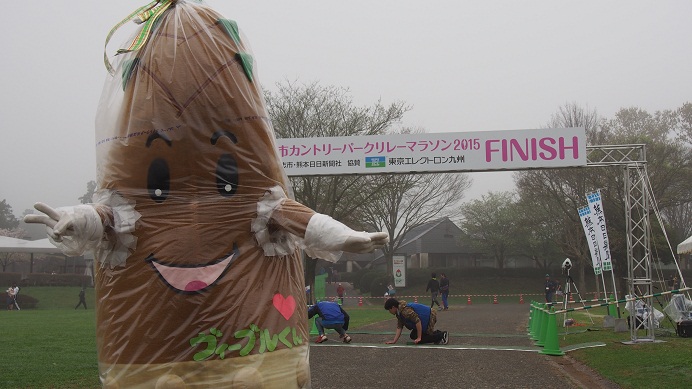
538,220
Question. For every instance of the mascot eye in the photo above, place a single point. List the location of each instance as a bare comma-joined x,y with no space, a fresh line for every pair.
227,176
158,180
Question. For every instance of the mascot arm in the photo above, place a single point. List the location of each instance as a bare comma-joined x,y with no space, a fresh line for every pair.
326,235
73,229
291,216
323,237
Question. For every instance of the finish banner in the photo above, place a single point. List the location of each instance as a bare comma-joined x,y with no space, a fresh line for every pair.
590,232
596,207
434,152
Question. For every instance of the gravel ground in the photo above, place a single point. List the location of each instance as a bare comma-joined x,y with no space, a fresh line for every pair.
488,348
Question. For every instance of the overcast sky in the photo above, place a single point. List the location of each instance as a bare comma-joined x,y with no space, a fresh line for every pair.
461,65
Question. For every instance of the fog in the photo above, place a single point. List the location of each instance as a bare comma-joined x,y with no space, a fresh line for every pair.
461,65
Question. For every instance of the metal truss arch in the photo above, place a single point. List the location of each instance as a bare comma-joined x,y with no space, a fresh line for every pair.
637,207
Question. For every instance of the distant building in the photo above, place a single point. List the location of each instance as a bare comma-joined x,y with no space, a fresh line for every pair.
436,244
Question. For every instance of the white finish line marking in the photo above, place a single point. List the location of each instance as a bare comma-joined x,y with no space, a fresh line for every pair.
448,347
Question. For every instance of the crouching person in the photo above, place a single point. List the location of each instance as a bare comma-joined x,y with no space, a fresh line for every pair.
418,318
330,315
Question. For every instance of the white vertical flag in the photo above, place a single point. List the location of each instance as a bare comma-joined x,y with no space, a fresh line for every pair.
601,232
590,232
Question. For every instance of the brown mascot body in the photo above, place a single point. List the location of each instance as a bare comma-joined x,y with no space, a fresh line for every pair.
199,277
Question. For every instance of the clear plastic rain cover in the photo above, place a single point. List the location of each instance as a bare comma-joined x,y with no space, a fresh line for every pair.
199,281
679,308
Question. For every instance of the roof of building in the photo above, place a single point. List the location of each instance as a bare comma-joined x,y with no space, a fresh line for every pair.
436,236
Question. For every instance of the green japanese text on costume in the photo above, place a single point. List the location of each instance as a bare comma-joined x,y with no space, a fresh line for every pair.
267,342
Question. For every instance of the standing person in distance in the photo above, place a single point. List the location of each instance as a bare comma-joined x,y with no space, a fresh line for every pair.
329,275
434,288
550,287
82,298
12,292
444,290
330,315
340,293
418,318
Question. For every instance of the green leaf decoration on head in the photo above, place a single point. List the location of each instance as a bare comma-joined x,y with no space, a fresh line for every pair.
246,62
231,28
128,68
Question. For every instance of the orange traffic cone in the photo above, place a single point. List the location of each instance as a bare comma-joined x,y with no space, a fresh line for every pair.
360,301
495,299
415,299
521,299
468,301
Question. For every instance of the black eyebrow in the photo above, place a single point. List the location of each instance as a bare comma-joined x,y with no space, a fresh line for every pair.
219,134
158,135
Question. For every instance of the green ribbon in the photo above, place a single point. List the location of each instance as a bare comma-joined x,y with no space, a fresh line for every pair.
148,15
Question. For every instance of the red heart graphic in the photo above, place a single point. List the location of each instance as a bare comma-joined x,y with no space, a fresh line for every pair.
285,306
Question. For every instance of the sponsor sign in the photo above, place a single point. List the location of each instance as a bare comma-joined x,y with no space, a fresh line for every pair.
587,221
434,152
596,206
399,271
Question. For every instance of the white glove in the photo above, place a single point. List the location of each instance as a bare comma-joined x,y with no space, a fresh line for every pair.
80,226
365,242
326,238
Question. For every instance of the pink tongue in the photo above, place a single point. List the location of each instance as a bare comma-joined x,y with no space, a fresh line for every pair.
194,286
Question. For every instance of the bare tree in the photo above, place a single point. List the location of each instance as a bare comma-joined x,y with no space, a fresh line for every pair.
311,110
557,194
678,218
683,123
406,201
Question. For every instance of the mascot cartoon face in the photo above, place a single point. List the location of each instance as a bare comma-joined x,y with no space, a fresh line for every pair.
184,141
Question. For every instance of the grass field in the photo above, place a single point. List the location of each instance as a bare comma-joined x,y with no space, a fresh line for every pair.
665,364
54,346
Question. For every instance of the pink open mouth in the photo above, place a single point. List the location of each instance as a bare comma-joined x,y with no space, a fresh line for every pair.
192,279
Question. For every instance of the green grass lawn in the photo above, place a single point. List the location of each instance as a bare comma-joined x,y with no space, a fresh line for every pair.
58,297
645,364
48,348
361,316
54,346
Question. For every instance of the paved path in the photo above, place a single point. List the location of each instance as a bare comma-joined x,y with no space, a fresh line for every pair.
488,348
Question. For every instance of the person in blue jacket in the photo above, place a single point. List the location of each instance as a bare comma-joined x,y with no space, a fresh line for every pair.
329,315
418,318
444,290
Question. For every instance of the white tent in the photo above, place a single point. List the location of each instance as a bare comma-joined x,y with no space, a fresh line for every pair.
14,245
686,246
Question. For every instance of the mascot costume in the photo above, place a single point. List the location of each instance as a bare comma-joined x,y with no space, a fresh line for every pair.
199,276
